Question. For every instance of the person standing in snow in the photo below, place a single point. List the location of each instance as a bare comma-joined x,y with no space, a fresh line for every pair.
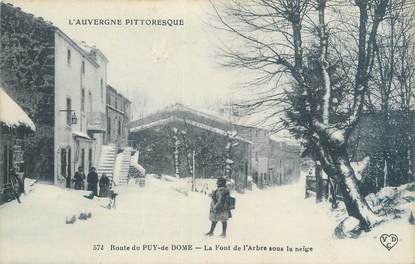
92,180
219,207
104,183
79,179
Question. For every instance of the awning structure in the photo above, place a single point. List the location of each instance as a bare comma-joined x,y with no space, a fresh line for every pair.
186,115
174,119
80,135
11,114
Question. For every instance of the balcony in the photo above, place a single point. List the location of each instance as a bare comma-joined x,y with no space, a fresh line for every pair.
96,122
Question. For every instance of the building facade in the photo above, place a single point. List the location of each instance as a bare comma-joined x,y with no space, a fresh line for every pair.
285,162
80,81
118,115
272,161
15,125
259,152
61,84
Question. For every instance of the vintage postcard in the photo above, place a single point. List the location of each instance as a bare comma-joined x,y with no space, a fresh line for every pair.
207,131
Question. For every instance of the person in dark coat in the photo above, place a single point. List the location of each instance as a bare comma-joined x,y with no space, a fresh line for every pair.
104,184
219,207
79,179
92,180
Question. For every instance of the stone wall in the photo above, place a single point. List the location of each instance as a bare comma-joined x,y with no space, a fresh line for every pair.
27,75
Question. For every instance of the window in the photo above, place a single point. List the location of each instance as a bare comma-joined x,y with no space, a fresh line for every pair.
119,127
82,99
83,68
101,85
68,57
68,112
256,156
109,128
116,103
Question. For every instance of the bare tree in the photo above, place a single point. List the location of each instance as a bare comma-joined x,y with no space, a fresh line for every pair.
406,82
391,92
321,84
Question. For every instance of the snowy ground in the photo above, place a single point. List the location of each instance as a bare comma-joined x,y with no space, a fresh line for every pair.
165,212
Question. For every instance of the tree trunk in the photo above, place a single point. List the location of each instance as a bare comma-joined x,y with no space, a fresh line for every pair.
337,166
385,172
333,193
319,183
176,153
355,202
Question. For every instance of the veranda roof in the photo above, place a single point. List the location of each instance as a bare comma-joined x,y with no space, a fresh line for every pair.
80,135
11,114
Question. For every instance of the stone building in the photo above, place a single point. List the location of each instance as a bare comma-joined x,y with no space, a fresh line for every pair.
273,160
259,152
15,125
118,115
61,84
285,162
80,80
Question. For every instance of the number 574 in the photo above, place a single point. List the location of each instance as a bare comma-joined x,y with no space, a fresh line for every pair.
98,247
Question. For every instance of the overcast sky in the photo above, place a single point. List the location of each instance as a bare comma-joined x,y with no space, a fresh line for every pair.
163,64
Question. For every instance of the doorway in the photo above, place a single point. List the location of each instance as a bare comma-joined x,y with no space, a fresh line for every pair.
90,159
7,164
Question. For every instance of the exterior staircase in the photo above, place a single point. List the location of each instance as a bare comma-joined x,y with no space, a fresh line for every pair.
122,167
107,161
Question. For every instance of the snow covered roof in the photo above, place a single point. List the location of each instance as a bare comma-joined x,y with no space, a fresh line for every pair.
84,46
184,112
80,134
91,50
11,114
189,122
203,113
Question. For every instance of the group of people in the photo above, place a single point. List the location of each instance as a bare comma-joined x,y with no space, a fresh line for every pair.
92,180
219,207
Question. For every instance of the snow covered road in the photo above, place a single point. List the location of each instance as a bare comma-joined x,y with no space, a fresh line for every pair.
164,213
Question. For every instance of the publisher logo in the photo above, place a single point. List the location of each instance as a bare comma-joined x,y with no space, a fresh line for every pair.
389,241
